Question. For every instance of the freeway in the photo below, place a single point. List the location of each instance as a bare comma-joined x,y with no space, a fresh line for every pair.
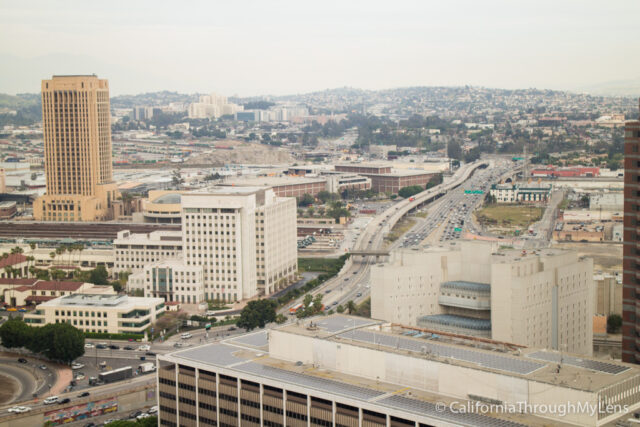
352,283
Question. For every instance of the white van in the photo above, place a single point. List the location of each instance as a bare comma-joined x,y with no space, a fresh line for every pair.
51,400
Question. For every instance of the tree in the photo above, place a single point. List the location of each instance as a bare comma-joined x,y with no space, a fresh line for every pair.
614,323
256,314
99,276
351,307
340,309
176,178
58,341
306,200
15,333
409,191
454,151
325,196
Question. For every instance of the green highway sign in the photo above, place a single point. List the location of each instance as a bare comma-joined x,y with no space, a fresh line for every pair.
473,192
457,229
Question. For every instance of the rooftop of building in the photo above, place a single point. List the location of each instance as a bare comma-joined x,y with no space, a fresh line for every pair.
12,259
249,355
466,286
102,300
168,199
271,181
231,190
540,365
159,236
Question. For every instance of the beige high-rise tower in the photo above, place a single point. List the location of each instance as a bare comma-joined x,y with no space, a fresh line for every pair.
77,147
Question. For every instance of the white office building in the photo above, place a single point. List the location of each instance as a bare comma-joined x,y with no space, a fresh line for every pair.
134,251
543,298
244,238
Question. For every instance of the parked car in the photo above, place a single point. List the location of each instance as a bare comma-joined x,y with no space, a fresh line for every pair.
80,376
76,365
43,367
153,409
186,336
134,414
88,345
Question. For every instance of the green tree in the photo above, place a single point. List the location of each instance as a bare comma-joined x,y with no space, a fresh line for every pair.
340,309
58,341
99,276
256,314
409,191
15,333
351,307
306,200
454,151
325,196
614,323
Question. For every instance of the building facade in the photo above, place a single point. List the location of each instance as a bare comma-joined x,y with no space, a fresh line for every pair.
76,122
244,239
543,299
133,252
113,314
351,372
631,251
516,193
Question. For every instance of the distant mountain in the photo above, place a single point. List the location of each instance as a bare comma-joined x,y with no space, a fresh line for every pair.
151,99
627,88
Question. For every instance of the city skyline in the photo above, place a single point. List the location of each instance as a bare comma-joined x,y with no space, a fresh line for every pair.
286,48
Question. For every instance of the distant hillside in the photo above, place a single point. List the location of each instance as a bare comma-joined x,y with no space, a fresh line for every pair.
26,106
151,99
19,101
626,88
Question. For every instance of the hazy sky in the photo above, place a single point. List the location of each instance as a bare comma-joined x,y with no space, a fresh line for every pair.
258,47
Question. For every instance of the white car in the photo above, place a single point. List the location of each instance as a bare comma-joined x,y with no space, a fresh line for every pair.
143,415
80,376
153,410
76,365
19,409
88,345
51,400
145,347
186,336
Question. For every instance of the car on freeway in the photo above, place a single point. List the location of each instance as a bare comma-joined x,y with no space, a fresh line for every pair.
22,360
43,367
150,353
88,345
143,415
153,410
233,328
19,409
128,347
359,294
63,401
177,345
186,336
145,347
134,414
84,394
51,400
101,346
77,365
114,347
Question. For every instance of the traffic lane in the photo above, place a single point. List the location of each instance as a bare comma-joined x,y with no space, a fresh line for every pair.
41,378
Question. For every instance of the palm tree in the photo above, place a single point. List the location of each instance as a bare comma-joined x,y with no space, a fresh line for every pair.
32,245
351,307
52,255
8,271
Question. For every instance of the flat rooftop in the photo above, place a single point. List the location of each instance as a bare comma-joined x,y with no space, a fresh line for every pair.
274,181
249,354
102,300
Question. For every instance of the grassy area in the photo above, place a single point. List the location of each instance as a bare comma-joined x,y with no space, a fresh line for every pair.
399,229
509,216
421,214
318,264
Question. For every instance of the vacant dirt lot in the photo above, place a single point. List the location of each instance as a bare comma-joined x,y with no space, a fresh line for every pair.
242,153
606,256
506,219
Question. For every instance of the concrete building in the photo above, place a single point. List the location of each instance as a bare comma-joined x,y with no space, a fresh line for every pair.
23,292
631,251
8,209
386,180
542,299
77,147
609,201
134,251
161,207
525,193
113,314
212,106
339,182
284,186
348,371
172,280
244,238
608,295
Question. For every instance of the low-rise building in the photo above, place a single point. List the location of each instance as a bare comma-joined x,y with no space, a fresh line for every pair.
23,292
516,193
113,314
284,186
172,280
543,299
348,371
